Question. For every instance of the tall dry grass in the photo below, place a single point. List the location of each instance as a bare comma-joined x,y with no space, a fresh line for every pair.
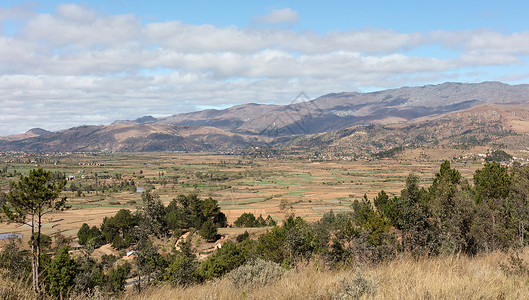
451,277
14,289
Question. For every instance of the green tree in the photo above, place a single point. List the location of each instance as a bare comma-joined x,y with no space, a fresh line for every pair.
61,273
182,271
154,213
208,230
119,228
381,200
189,211
147,259
245,220
227,258
492,183
419,234
45,241
452,210
117,278
83,235
89,275
32,197
493,226
519,199
298,239
271,246
12,258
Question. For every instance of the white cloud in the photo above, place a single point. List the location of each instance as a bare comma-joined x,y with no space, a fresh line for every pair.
277,16
78,66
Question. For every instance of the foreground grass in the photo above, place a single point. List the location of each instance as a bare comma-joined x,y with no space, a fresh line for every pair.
14,289
450,277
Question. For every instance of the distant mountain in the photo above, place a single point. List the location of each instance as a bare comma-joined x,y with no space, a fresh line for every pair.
142,120
34,132
342,110
132,137
352,123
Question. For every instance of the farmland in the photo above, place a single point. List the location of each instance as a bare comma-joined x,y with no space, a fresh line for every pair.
303,186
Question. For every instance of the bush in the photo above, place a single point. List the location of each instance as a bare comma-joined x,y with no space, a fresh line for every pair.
255,273
117,278
182,271
227,258
14,261
353,287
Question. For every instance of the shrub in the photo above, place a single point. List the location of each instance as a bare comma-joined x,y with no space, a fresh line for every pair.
243,236
515,266
255,273
353,287
182,271
227,258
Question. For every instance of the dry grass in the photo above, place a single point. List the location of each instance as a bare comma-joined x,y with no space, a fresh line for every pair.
450,277
13,289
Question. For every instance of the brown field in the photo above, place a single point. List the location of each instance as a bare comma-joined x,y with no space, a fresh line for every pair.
266,186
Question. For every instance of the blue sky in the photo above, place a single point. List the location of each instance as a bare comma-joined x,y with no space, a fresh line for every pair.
65,64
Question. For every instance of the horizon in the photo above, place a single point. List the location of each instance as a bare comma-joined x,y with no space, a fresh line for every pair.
69,64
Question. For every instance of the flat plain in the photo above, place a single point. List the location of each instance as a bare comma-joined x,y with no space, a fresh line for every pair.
279,186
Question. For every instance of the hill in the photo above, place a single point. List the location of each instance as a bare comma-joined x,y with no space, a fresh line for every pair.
340,123
476,126
131,137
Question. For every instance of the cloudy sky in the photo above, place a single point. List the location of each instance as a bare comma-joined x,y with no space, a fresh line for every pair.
64,64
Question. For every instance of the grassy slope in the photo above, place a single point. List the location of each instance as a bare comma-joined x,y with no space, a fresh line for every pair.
450,277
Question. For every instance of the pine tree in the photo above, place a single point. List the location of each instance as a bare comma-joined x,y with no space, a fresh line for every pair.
32,197
61,273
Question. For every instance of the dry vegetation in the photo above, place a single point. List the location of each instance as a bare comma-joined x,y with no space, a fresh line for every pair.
452,277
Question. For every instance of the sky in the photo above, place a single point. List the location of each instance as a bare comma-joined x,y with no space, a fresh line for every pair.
66,64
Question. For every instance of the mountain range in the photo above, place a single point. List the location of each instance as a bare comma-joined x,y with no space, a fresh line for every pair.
346,123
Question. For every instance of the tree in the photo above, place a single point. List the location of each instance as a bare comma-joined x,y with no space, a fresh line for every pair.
492,183
147,259
61,273
245,220
519,198
32,197
45,241
208,230
419,234
189,211
13,259
494,221
452,210
89,275
154,213
83,234
227,258
119,229
182,271
117,278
